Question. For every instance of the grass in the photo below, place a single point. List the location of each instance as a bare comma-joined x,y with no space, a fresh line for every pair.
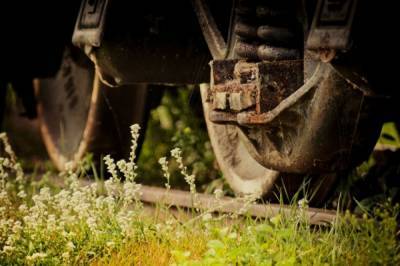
105,224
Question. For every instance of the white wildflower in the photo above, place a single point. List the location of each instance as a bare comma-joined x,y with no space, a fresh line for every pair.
65,255
3,196
218,193
8,249
111,168
36,256
135,137
128,169
44,194
7,147
51,222
169,222
164,167
70,246
10,162
190,179
207,217
19,174
110,244
17,227
158,227
22,194
109,202
233,235
92,223
179,234
113,189
303,204
69,166
248,201
124,220
177,154
94,188
131,191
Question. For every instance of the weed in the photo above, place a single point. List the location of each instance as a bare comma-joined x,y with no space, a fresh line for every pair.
104,223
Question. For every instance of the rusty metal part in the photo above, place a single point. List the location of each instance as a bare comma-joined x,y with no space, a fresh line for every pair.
327,55
317,127
244,174
208,202
239,87
327,125
253,118
331,25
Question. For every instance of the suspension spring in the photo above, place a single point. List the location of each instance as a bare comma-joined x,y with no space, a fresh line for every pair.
267,30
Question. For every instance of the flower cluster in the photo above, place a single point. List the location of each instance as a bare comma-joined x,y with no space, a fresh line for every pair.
33,227
190,179
164,167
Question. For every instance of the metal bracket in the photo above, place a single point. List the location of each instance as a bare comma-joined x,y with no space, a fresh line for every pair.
331,24
250,89
90,23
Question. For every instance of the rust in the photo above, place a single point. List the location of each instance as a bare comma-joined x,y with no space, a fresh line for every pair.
254,87
222,70
327,55
308,131
279,80
222,117
295,127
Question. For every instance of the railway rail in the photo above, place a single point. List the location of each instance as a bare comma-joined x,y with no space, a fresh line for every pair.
180,198
153,195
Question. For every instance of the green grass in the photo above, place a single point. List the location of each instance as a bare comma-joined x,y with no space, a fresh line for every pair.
105,224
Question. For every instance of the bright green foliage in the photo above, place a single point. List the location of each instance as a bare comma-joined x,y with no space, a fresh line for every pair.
390,136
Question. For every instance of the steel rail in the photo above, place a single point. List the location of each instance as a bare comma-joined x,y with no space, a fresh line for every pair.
180,198
231,205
